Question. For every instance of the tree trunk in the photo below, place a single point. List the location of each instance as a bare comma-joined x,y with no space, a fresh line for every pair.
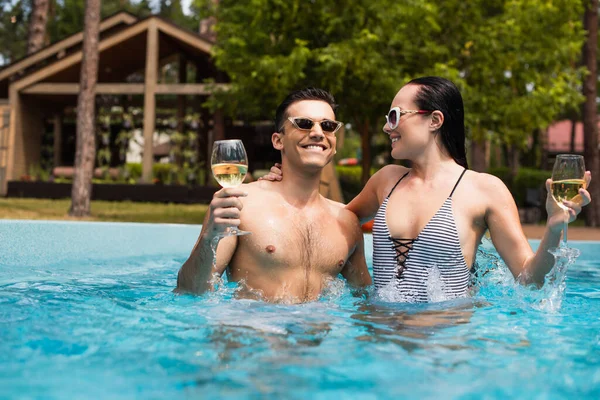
478,162
590,126
37,25
573,131
544,149
365,136
85,153
513,160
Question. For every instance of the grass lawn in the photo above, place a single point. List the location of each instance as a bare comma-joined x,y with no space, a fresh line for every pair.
14,208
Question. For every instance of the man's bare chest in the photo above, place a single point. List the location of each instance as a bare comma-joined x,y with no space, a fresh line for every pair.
287,239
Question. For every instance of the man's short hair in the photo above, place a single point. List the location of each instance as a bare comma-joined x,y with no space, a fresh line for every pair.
309,93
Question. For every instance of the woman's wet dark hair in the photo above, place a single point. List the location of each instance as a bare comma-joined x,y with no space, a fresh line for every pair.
440,94
309,93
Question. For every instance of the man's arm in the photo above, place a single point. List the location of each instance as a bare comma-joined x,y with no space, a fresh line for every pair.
355,270
196,273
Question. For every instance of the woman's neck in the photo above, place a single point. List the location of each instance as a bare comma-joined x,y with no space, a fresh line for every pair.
429,167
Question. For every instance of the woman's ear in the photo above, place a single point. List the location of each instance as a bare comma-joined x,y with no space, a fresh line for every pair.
437,120
276,139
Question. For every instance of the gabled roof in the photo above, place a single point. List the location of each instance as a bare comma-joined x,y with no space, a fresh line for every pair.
122,51
57,50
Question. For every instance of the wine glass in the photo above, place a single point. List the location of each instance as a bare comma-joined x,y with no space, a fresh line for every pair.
567,178
229,165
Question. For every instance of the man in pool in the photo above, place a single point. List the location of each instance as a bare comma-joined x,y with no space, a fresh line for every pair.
299,240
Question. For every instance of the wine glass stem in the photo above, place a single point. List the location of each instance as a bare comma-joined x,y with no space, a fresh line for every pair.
566,224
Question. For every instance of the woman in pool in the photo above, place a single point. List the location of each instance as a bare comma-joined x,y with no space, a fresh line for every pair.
430,218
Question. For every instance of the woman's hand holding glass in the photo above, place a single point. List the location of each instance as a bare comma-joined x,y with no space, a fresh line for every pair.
567,192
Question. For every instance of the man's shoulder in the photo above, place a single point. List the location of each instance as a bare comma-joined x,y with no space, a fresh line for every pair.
259,187
339,211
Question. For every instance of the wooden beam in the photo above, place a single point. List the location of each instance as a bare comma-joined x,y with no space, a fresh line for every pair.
76,57
73,88
57,149
150,99
330,185
15,119
184,36
190,88
63,45
4,137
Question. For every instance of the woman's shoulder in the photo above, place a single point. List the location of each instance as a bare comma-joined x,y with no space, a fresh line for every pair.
390,171
488,187
485,181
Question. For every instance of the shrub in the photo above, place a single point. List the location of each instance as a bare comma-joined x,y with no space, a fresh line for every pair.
528,178
349,176
160,171
503,173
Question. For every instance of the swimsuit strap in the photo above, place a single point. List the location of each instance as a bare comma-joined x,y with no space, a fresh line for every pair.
399,180
458,181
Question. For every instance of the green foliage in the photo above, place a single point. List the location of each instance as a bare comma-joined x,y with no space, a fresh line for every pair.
515,61
350,148
14,18
134,171
526,178
269,48
162,172
504,173
349,177
122,211
65,18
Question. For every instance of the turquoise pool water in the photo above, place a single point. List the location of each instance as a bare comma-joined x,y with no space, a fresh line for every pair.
86,311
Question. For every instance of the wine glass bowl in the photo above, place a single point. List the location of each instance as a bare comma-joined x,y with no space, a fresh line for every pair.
229,165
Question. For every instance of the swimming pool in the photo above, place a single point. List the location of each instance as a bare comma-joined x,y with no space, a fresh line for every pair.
86,310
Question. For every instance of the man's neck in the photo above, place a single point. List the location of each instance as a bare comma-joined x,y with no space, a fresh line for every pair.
300,188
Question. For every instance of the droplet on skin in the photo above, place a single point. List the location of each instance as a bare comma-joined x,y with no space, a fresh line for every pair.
341,263
270,249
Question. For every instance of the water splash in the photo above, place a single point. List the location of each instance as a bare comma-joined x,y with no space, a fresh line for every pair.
493,279
333,289
435,286
553,292
389,293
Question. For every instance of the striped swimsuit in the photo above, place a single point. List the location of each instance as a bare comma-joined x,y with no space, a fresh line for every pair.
430,267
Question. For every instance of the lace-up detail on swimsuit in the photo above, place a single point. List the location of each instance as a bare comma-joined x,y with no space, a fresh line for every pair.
402,247
412,265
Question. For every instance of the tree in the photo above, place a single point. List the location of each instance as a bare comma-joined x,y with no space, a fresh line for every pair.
37,25
589,111
516,74
517,64
269,48
13,30
85,153
172,10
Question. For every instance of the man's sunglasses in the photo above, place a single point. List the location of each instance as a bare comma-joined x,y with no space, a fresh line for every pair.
393,117
306,124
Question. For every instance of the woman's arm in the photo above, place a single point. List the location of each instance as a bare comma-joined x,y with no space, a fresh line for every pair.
502,219
367,202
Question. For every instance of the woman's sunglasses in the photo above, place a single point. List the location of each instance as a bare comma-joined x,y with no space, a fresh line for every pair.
306,124
393,117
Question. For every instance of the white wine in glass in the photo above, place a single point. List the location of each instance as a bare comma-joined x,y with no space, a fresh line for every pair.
229,164
567,178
